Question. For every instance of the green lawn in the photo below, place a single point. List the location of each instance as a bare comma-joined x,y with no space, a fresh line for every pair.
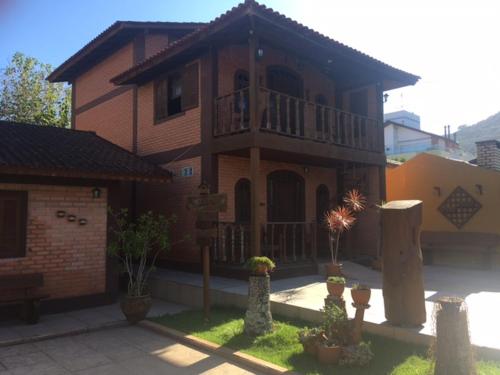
283,348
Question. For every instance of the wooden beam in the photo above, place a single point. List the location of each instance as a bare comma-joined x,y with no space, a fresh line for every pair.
253,79
255,201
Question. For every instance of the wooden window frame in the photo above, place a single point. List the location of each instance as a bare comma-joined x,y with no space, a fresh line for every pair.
165,78
22,197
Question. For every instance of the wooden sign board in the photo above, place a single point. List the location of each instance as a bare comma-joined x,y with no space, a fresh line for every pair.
208,203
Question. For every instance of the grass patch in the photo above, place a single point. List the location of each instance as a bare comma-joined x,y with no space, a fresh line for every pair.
283,348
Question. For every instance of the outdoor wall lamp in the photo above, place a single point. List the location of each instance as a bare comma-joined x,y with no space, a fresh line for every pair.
437,189
386,96
479,188
60,214
259,53
71,218
96,193
82,221
306,170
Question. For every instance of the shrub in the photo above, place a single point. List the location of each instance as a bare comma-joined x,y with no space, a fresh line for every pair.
254,262
336,280
360,287
357,355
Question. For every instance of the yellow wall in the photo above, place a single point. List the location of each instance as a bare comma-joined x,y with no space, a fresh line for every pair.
416,179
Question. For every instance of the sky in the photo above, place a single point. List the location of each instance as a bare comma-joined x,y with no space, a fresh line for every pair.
452,45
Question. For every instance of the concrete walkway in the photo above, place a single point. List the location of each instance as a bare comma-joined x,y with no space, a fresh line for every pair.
115,351
79,321
303,297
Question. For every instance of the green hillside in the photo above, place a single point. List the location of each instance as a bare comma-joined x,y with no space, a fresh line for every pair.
468,135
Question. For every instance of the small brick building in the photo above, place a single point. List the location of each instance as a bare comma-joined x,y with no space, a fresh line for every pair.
55,188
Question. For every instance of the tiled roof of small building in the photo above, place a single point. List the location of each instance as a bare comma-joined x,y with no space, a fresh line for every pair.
50,151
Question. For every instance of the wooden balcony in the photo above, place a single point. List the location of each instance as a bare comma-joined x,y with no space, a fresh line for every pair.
293,117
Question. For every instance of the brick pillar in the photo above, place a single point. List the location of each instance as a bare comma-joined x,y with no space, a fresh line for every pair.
488,154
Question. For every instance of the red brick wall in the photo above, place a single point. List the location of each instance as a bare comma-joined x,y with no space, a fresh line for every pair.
111,120
71,256
235,57
95,82
231,169
182,130
155,43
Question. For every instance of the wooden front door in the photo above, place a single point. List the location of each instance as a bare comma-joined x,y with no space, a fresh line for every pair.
285,197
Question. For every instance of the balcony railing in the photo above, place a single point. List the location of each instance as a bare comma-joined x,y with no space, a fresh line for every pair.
281,241
294,117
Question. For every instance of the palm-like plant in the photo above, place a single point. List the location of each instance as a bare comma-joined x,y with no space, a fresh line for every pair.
342,218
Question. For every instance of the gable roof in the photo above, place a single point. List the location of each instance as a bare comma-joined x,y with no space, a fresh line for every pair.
110,40
390,122
251,7
50,151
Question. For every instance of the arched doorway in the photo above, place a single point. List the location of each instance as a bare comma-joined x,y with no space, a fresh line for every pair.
242,204
322,207
285,197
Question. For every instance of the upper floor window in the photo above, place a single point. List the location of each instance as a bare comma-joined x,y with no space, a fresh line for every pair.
176,92
13,218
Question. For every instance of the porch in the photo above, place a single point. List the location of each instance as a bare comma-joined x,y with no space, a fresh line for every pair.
289,208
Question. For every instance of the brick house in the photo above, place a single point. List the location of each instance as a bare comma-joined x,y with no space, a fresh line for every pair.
277,116
55,189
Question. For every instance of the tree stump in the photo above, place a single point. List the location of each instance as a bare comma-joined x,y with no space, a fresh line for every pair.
403,285
452,348
258,318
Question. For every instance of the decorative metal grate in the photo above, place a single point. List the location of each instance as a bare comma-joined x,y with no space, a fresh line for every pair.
459,207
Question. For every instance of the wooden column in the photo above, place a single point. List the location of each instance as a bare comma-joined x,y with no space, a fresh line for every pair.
255,201
253,78
255,229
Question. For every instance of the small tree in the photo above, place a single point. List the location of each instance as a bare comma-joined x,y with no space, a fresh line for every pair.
342,218
138,245
26,95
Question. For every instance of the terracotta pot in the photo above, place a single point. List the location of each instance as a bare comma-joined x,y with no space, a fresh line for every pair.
334,269
261,270
335,289
135,309
361,296
310,347
328,355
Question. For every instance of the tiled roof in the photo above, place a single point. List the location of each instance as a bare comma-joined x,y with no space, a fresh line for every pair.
51,151
247,7
109,39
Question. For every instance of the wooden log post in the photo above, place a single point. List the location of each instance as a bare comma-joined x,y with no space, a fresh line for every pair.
403,286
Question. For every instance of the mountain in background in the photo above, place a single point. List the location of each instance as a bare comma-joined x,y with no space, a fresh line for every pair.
468,135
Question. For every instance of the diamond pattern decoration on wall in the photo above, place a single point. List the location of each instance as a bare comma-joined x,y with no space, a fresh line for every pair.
459,207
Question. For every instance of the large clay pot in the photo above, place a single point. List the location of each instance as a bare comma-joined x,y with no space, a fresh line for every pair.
335,289
328,355
333,269
361,296
135,309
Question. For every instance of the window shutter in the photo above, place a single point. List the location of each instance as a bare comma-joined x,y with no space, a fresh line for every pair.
13,206
190,87
160,99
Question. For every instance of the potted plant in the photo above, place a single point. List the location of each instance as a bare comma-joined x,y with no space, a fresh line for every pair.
309,338
335,285
360,294
336,334
340,220
137,244
260,266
